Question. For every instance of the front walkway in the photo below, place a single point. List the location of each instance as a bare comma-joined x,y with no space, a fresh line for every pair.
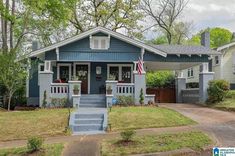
218,124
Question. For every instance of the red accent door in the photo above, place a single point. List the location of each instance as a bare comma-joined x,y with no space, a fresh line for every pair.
82,73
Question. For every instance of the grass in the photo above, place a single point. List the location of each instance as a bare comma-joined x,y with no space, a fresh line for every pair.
41,122
48,150
123,118
228,104
156,143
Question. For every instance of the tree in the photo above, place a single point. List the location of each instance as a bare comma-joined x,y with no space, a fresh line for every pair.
13,74
164,13
218,37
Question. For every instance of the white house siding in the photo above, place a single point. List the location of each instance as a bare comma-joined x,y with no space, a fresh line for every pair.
195,78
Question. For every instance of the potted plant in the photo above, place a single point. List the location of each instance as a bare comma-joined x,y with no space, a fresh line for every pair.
75,78
109,90
76,89
111,77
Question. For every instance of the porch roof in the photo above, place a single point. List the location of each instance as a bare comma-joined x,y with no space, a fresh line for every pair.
186,49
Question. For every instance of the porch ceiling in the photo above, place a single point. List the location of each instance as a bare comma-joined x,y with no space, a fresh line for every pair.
150,65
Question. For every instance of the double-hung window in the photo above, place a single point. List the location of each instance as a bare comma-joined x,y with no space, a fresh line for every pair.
99,42
120,73
190,72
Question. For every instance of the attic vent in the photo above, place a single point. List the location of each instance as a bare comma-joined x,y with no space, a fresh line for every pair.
98,42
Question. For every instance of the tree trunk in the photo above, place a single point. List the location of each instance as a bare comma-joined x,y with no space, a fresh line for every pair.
4,28
9,102
12,24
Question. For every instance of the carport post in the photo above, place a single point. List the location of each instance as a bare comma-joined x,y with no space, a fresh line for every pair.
204,77
180,84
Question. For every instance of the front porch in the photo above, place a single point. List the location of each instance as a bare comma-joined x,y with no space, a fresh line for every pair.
58,79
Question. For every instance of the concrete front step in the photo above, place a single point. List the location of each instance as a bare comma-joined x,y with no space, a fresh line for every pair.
92,100
89,116
84,127
92,106
88,121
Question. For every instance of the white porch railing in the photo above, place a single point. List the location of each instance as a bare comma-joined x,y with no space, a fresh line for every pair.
126,89
59,90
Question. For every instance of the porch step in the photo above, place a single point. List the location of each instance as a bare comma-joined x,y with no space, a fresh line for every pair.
92,100
83,128
88,121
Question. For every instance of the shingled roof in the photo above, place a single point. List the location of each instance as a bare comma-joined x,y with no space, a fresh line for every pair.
186,49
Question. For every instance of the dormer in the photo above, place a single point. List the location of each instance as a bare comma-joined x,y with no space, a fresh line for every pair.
99,42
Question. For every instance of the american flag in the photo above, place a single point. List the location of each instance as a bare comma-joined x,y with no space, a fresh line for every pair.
140,66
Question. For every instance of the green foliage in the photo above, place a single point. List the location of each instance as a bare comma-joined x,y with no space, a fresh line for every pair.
159,40
76,87
44,102
59,102
13,74
217,90
141,96
35,143
127,135
218,37
125,100
160,79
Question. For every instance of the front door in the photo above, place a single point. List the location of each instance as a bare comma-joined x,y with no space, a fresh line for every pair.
82,73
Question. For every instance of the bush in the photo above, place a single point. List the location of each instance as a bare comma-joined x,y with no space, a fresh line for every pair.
160,79
35,143
125,100
127,135
217,90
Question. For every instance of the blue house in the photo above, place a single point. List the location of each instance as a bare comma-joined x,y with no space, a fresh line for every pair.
95,67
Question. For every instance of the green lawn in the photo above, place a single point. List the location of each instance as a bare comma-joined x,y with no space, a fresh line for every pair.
23,124
228,104
122,118
48,150
156,143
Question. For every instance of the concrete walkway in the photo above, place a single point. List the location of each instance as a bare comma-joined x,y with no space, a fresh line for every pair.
218,124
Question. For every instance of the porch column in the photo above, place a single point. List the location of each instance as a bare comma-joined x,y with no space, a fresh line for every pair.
45,80
204,77
180,84
140,83
113,86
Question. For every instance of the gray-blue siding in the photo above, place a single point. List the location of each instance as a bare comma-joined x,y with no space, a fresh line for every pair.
119,51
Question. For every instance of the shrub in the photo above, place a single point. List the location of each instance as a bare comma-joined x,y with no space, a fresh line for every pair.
141,100
127,135
160,79
125,100
35,143
217,90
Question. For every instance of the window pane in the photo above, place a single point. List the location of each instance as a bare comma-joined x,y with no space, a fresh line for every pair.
96,43
126,74
113,73
41,67
191,72
64,73
103,44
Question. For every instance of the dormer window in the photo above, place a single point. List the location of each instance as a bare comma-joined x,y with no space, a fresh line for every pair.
99,42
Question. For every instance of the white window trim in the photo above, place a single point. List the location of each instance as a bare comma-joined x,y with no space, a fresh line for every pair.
190,76
64,65
49,66
99,38
89,72
120,70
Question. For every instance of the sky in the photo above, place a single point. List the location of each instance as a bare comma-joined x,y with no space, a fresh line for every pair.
208,13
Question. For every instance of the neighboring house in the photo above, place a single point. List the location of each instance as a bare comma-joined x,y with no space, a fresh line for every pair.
98,60
224,65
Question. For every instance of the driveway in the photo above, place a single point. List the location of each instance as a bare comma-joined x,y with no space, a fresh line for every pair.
218,124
